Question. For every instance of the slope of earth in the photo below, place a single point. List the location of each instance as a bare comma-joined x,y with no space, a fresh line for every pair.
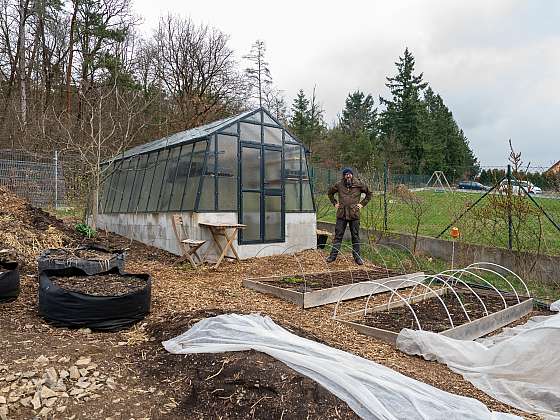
75,374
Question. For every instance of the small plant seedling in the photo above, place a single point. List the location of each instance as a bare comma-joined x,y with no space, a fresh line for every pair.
86,230
293,280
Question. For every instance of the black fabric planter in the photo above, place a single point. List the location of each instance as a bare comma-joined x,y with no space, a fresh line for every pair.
53,259
63,308
9,281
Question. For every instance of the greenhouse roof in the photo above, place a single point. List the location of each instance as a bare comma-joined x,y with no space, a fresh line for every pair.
184,136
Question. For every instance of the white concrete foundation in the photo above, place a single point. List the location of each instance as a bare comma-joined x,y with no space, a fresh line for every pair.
156,229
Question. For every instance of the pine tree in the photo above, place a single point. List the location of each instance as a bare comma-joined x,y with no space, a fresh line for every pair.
359,115
258,74
299,123
402,116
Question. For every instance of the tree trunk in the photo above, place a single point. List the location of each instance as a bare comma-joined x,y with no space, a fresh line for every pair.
71,57
22,74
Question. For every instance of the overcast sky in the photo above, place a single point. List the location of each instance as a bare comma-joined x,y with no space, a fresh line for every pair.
495,63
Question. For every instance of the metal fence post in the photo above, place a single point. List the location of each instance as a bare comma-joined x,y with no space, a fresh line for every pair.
385,195
56,179
509,197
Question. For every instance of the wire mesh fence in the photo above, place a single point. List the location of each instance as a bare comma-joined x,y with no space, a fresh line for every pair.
45,180
517,214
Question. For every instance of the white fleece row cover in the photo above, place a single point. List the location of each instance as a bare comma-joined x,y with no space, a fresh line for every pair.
373,391
520,366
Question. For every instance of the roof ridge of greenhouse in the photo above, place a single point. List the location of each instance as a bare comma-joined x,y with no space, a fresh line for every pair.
186,135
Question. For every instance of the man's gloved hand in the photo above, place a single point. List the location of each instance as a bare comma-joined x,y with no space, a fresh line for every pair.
359,206
337,205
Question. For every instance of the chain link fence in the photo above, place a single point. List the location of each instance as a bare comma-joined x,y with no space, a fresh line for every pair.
45,180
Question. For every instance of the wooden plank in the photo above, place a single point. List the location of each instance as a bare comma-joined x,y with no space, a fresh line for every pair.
355,290
485,325
289,295
384,335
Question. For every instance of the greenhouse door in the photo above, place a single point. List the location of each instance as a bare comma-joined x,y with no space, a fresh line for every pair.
262,186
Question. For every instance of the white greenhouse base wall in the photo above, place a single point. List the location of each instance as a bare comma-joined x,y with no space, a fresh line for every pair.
156,229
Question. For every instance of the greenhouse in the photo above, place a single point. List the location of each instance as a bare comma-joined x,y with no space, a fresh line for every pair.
246,169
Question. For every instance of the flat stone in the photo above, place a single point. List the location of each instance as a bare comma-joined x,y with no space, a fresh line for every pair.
50,402
45,411
64,374
6,389
11,378
36,401
59,386
13,398
75,391
64,360
26,402
84,372
74,373
111,383
29,374
47,393
61,409
51,375
2,400
4,412
83,361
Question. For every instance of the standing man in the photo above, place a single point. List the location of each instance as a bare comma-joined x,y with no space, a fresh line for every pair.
348,206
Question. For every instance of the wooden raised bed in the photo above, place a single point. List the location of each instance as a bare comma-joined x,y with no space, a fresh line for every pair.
385,321
316,289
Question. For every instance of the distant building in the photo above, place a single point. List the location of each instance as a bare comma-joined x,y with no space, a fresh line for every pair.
554,169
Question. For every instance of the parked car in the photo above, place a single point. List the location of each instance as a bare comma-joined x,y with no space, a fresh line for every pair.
515,187
472,185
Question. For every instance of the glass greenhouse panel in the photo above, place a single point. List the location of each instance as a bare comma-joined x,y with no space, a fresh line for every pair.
128,184
307,200
273,218
227,173
208,189
169,179
272,135
159,172
292,192
113,187
268,120
292,159
119,190
288,138
138,181
232,129
272,169
252,216
148,179
256,117
181,178
250,132
251,168
195,172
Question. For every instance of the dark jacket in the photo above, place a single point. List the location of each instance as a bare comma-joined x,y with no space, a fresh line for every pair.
349,198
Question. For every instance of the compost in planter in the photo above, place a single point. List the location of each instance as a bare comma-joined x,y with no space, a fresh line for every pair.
92,259
109,301
9,281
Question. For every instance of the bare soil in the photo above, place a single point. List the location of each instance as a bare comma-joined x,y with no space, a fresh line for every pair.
100,284
432,315
311,282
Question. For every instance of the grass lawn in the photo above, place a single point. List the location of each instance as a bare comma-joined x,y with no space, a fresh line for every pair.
485,225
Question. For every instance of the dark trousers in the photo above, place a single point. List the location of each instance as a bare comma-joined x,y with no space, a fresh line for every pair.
339,233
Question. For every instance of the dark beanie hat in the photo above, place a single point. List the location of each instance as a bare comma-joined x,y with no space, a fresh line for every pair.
347,171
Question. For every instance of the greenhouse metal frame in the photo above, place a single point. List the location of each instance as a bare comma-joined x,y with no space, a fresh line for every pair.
248,164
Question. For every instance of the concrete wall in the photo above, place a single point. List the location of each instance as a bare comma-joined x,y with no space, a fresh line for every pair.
156,229
531,266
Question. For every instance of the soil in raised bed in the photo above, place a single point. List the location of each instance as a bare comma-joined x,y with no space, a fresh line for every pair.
85,254
319,281
100,285
432,315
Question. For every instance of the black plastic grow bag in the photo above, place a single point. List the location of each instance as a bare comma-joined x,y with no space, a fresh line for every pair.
63,308
53,259
9,281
